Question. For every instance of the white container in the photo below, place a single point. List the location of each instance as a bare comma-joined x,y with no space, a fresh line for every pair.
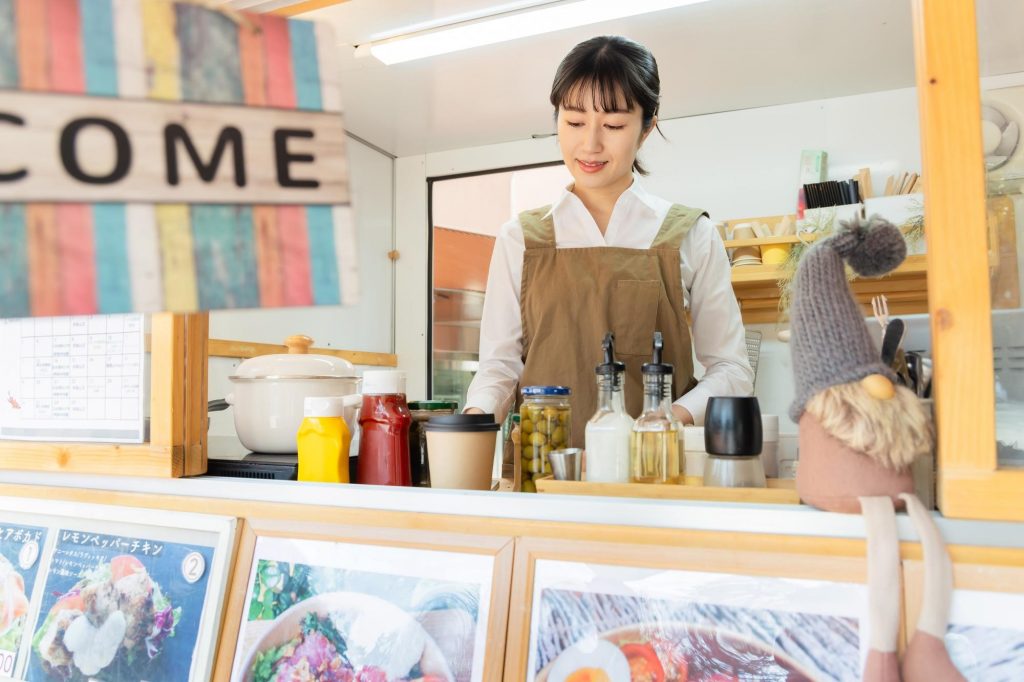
607,442
270,391
693,451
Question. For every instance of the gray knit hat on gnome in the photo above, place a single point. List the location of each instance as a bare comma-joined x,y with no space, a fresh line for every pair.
830,341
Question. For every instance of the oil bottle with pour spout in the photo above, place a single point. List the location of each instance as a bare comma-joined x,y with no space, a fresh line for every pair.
655,448
608,431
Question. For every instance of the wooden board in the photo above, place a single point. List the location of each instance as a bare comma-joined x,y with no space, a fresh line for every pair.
778,491
225,348
260,167
108,459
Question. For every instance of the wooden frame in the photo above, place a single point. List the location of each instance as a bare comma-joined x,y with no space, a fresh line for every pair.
131,523
499,548
178,415
836,568
1000,581
970,484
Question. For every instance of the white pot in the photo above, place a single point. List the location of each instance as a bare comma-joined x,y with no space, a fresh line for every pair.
269,391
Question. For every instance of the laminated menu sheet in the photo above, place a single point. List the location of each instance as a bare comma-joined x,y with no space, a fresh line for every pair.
73,378
112,594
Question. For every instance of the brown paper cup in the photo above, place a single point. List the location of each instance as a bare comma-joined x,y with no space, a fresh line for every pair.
461,459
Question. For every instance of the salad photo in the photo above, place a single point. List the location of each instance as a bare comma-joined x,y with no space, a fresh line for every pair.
346,637
353,612
112,624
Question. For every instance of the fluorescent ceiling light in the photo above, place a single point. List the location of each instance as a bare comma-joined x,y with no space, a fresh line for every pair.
511,26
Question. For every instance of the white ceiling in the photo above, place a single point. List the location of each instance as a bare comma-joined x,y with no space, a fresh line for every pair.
719,55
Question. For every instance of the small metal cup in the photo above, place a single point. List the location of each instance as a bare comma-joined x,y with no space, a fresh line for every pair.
567,464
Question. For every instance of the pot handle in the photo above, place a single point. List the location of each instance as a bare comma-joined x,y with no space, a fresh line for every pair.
217,405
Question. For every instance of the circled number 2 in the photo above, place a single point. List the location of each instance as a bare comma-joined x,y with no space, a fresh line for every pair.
28,555
193,567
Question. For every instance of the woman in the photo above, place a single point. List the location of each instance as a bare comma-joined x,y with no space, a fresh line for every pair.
608,256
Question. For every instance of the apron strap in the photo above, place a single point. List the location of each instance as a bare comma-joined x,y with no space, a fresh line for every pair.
538,228
678,223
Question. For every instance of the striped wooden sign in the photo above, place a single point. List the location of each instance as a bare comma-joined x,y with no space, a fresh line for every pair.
145,244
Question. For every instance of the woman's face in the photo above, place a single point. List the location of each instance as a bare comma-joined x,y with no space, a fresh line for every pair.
598,146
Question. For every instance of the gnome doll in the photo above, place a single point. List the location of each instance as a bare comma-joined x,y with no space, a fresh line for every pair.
859,433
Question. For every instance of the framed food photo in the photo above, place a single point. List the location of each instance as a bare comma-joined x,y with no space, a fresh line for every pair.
20,553
113,593
603,611
339,603
985,637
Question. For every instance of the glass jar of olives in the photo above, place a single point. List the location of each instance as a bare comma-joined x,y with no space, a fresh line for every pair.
545,422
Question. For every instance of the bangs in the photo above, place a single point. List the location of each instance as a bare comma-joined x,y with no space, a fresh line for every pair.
604,90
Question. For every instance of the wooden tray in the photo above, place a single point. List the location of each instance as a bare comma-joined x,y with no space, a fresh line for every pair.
779,491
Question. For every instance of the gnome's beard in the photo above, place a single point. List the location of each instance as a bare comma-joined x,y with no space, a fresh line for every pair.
891,432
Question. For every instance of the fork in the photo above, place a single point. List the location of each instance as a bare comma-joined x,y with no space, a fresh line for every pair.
880,307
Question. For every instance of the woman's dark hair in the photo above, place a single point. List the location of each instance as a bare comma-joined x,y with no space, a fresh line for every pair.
609,67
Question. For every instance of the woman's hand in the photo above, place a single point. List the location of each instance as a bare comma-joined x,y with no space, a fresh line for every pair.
682,415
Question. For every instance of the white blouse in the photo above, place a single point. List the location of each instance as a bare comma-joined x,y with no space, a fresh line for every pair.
717,329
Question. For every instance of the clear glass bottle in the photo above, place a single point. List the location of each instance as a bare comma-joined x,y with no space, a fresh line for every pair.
608,431
655,449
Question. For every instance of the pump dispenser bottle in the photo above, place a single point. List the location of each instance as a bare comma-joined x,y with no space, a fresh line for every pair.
655,448
608,431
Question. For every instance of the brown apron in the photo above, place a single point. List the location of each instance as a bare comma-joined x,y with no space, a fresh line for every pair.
570,298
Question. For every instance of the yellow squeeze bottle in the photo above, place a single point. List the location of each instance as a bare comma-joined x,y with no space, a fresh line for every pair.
323,441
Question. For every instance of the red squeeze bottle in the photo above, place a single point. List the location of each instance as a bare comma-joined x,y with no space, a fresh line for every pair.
384,420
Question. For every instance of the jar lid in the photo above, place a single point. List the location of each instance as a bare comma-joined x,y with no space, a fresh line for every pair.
546,390
464,423
383,382
294,366
332,406
432,405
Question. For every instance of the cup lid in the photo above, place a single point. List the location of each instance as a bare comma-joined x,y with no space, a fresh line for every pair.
463,423
770,427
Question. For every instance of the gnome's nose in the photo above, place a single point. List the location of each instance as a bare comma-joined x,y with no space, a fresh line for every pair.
878,386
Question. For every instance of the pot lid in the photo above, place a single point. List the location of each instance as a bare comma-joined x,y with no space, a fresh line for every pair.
297,363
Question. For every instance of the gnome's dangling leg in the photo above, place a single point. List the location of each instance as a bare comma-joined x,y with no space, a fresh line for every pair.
927,659
883,664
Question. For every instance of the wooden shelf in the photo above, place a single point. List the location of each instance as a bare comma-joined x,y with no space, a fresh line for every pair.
779,491
108,459
757,290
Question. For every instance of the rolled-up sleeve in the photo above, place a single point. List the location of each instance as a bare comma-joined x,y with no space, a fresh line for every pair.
718,335
501,328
